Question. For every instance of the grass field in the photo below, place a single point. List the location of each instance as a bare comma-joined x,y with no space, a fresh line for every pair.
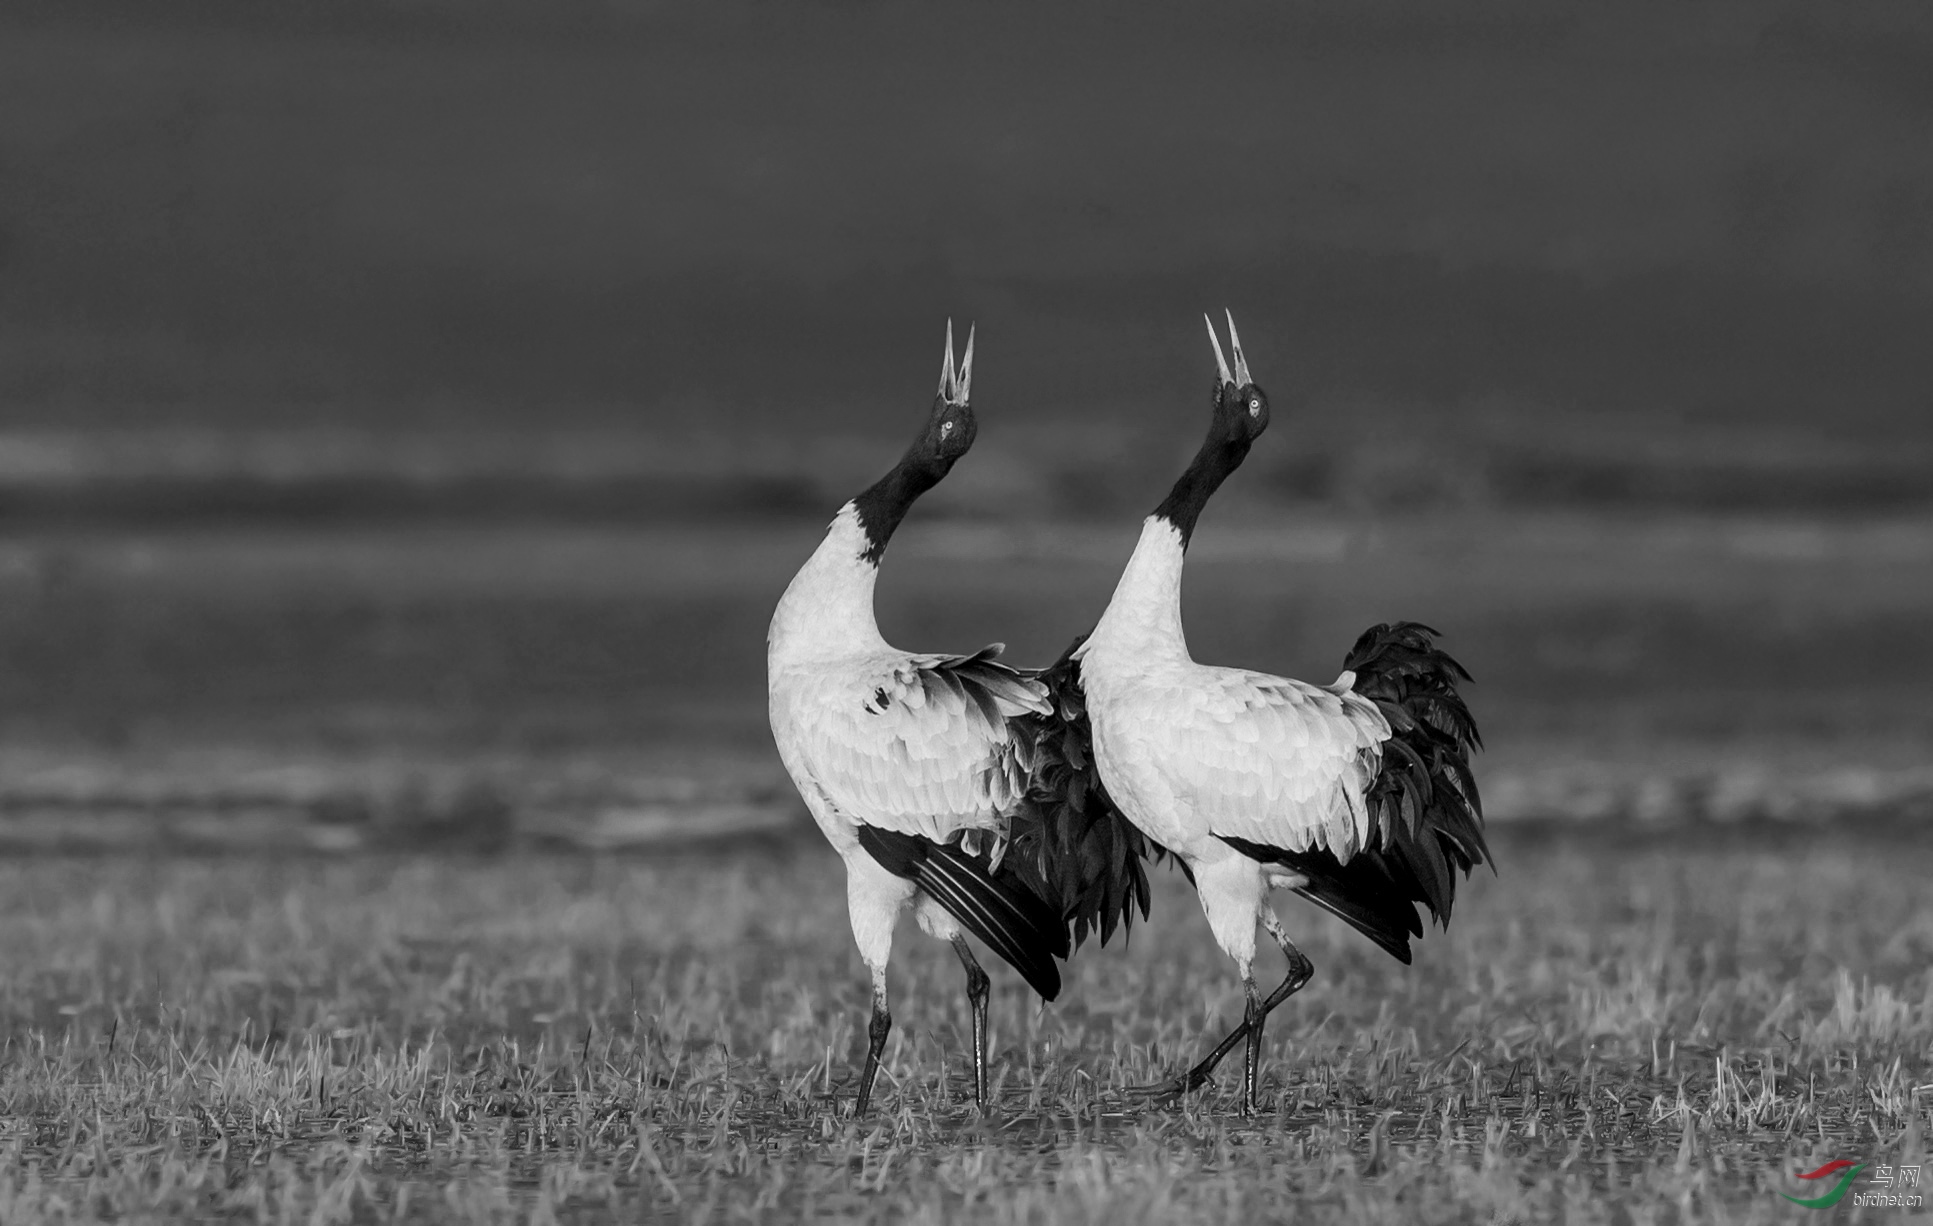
1612,1031
1667,1003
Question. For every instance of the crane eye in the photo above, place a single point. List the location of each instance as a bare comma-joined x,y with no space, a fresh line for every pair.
1255,408
946,427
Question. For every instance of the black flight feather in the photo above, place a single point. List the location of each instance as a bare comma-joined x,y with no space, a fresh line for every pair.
995,905
1371,893
1424,800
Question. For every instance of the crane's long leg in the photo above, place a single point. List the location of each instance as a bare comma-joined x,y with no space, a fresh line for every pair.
978,988
876,1032
1301,970
1252,1021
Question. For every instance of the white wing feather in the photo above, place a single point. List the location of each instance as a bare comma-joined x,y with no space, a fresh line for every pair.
907,743
1272,760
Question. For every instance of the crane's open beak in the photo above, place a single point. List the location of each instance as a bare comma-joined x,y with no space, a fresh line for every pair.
1240,377
1235,347
956,388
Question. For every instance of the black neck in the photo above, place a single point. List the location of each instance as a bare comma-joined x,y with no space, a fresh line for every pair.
1210,467
886,501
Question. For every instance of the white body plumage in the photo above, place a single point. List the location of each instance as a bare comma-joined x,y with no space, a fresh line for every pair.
1191,752
872,734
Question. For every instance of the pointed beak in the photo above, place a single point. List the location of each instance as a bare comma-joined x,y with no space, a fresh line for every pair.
956,386
1235,343
1221,364
946,366
966,365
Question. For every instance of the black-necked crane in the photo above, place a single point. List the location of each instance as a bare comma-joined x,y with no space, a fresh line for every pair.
1356,795
932,775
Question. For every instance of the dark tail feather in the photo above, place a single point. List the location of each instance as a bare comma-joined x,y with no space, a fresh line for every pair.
1365,893
1424,801
1083,851
994,905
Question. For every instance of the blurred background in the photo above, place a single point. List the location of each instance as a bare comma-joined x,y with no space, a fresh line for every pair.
410,410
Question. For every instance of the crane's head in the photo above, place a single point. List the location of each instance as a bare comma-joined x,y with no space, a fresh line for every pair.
947,435
949,431
1241,407
1241,414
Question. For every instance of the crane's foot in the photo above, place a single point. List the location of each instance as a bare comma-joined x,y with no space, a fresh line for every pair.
1192,1080
1196,1077
1175,1087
